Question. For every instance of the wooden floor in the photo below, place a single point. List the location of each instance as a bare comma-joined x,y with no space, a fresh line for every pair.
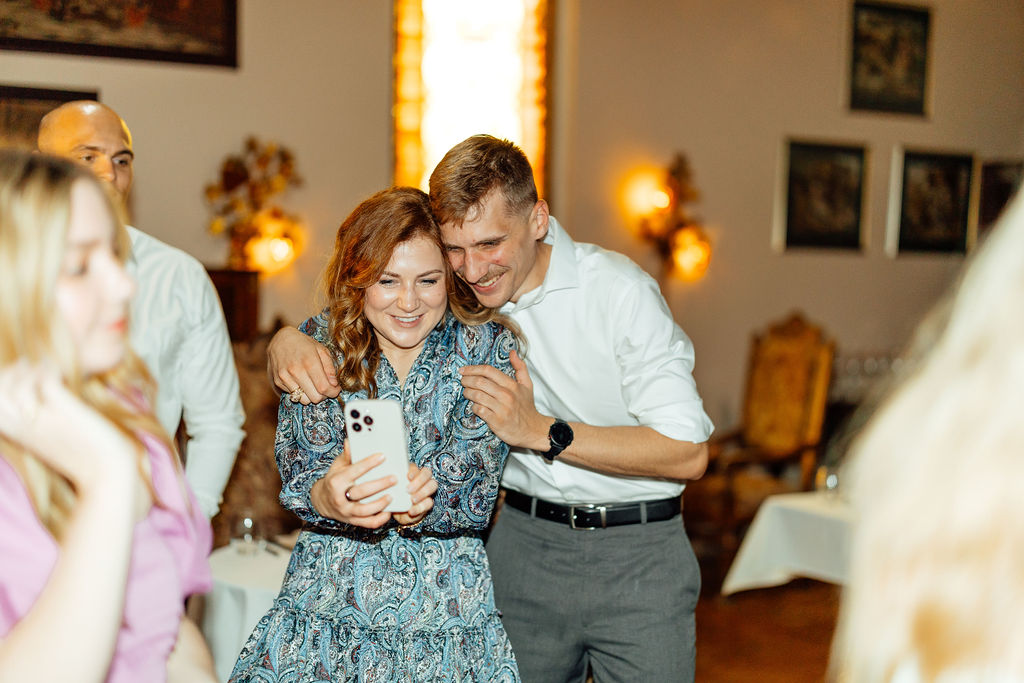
771,635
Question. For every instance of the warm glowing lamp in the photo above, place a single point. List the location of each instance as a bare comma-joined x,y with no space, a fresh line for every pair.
691,253
262,236
666,223
270,255
661,199
275,242
645,194
281,249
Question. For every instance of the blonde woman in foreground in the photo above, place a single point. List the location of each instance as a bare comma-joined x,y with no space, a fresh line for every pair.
936,591
100,540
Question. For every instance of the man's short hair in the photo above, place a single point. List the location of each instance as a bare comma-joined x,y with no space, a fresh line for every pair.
474,168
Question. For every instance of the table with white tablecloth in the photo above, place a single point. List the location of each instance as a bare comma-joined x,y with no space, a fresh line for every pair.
793,534
246,579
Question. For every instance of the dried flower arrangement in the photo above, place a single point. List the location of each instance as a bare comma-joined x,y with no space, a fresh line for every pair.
261,235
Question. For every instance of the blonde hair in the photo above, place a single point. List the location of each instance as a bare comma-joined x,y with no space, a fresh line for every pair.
937,562
35,209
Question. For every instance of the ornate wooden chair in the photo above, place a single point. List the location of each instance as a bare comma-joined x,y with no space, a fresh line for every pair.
774,449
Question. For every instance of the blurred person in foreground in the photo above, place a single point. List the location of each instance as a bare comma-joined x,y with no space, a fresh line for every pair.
100,538
936,589
178,326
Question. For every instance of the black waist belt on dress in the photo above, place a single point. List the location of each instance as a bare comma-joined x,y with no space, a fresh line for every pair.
594,516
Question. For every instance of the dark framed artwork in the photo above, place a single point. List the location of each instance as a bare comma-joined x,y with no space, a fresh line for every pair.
21,109
197,32
889,57
824,195
1000,180
935,200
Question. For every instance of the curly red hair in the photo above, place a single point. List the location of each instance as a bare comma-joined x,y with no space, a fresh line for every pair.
362,250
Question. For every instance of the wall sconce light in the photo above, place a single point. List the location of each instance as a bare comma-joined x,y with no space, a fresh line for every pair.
668,226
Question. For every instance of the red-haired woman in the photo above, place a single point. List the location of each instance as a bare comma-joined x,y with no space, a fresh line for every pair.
372,595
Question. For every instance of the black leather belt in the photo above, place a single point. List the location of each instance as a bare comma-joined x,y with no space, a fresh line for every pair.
594,516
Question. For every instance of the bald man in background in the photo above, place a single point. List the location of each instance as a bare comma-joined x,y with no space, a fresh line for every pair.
177,324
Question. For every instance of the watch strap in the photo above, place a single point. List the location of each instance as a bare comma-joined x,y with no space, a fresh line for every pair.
557,446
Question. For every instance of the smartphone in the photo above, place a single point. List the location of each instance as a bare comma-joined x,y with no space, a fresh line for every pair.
377,426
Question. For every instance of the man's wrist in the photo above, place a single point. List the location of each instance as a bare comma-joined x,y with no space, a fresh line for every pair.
540,442
559,438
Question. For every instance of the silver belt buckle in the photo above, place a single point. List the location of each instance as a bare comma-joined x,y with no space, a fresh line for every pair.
572,516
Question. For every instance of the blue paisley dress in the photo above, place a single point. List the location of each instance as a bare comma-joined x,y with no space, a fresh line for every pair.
392,604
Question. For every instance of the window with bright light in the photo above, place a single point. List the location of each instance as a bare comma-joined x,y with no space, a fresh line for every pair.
464,67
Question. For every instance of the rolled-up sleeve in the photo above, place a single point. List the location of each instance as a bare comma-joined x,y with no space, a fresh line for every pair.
656,360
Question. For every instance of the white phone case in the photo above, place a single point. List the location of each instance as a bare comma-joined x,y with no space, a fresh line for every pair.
377,426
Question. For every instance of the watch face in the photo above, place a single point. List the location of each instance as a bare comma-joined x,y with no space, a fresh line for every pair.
560,434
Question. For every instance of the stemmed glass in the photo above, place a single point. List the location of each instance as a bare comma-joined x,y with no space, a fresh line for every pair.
249,533
827,479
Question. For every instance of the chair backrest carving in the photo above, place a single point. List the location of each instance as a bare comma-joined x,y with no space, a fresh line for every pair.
787,386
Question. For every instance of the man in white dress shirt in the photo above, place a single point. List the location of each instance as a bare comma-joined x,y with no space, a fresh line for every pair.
591,563
177,324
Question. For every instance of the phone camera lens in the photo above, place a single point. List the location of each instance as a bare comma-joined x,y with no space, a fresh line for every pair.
354,414
368,420
356,427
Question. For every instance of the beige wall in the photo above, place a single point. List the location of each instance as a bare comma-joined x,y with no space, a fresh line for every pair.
723,82
316,79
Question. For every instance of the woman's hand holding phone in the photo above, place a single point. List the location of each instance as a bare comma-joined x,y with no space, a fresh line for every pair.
330,500
336,496
422,487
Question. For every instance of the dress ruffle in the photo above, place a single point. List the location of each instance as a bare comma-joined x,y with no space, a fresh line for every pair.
393,604
295,645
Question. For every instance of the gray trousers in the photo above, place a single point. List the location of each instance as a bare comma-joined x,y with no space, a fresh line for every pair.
620,600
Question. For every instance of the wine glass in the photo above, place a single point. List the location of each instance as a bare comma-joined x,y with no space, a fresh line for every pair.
827,479
249,533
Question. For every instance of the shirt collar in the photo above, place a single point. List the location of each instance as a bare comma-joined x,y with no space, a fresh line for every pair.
133,240
561,273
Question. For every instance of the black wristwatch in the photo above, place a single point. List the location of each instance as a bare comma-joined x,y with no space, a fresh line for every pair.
559,436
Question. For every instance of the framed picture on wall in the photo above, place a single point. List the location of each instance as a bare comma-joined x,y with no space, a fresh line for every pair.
889,57
1000,180
824,194
934,207
197,32
21,109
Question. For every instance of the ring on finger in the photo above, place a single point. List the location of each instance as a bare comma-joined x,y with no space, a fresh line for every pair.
348,497
296,394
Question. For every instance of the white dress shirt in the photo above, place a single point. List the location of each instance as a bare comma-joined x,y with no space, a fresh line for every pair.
602,349
178,329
